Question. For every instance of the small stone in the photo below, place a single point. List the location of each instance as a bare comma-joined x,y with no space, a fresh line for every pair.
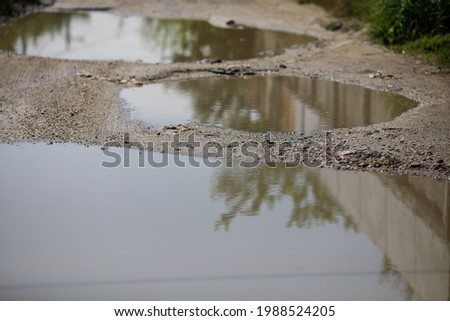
234,24
393,88
437,166
346,152
334,26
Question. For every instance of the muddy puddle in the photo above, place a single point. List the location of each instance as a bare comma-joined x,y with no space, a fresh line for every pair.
261,104
106,36
71,229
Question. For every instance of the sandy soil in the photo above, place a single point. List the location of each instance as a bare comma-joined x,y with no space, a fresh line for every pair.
76,101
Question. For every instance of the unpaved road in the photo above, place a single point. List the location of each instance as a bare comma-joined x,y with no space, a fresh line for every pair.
55,100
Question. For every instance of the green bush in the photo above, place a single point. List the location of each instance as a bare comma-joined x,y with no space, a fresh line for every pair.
435,49
398,21
415,26
6,7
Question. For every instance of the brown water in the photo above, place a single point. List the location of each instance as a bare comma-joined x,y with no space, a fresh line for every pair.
71,229
262,104
106,36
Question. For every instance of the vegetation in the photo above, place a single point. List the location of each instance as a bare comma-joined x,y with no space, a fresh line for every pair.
435,48
415,26
399,21
7,7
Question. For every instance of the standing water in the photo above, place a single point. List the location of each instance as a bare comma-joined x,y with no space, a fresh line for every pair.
73,230
262,104
105,36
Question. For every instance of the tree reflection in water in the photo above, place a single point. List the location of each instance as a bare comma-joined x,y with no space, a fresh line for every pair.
246,190
389,275
283,103
190,40
109,36
22,33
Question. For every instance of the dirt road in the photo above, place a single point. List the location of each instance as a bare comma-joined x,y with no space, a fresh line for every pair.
55,100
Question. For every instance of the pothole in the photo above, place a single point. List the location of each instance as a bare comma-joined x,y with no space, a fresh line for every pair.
261,104
97,35
66,218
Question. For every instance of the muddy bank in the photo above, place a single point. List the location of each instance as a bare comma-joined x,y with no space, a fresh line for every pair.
55,100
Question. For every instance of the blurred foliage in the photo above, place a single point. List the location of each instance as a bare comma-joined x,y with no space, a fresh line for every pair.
398,21
415,26
7,7
435,49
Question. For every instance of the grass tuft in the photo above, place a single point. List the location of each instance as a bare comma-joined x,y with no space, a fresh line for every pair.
434,49
395,22
420,27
